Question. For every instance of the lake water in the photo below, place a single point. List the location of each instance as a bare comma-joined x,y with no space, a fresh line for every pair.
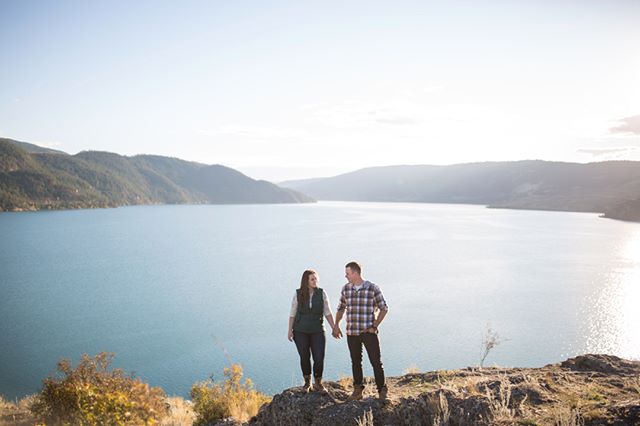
175,290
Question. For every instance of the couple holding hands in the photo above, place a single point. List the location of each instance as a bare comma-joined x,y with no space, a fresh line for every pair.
361,299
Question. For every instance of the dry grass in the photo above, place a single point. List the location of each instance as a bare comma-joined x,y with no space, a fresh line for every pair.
499,404
345,382
180,412
634,384
469,386
566,416
412,369
366,419
244,407
444,377
595,393
5,404
16,413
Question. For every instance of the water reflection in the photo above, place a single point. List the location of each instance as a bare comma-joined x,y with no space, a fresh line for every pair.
613,310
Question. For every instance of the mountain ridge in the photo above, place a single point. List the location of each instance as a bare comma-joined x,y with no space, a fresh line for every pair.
31,179
611,187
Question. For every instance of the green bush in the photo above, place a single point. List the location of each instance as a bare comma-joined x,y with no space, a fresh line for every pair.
214,401
90,394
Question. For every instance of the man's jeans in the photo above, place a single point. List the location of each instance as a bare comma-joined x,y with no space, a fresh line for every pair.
372,345
307,344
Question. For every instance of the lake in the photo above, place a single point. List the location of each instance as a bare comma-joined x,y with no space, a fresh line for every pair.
176,292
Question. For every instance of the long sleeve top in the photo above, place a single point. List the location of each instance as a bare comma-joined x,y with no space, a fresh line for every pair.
325,300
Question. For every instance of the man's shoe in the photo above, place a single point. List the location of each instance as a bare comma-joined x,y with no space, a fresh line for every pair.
318,386
307,384
357,393
382,394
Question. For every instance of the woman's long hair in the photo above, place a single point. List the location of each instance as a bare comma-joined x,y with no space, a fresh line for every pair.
304,286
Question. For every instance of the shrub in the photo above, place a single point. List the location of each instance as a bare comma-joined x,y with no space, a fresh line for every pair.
214,401
90,394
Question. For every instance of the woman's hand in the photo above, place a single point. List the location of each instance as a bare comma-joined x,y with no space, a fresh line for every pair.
290,336
337,333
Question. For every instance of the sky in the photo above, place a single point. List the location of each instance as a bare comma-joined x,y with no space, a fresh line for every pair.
296,89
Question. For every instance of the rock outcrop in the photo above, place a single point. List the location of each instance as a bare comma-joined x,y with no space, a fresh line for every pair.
585,390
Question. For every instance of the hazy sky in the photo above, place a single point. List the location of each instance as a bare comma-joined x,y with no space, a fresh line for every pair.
299,89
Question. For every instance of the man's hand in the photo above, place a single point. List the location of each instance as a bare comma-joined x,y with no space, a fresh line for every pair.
337,333
290,336
373,329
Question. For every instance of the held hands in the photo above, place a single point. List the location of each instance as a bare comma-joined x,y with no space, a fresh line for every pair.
337,333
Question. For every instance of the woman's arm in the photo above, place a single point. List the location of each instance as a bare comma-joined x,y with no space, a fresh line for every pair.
327,310
330,321
292,315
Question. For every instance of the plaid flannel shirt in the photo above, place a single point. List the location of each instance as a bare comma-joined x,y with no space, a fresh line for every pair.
361,306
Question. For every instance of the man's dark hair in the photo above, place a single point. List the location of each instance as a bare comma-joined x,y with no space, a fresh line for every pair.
354,266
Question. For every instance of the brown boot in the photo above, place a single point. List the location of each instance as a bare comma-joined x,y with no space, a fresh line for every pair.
318,386
382,394
357,393
307,384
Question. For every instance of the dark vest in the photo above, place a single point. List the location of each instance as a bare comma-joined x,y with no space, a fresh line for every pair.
309,320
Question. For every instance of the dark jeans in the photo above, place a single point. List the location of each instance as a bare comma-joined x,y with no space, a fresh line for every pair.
310,344
372,345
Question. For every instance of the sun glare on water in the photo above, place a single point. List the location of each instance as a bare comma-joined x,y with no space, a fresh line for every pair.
614,326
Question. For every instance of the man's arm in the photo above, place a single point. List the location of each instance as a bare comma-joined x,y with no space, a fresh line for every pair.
337,333
378,321
342,306
381,304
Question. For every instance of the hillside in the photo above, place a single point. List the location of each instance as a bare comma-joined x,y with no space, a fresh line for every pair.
31,179
612,187
29,147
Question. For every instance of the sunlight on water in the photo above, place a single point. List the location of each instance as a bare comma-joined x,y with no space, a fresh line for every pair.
615,313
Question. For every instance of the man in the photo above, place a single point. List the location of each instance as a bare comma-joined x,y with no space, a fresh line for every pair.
361,299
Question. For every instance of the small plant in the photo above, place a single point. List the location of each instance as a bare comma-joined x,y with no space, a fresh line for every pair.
490,340
412,369
366,419
565,416
90,394
232,398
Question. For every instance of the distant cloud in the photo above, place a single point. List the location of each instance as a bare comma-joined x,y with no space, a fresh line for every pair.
253,132
358,114
397,120
609,152
629,125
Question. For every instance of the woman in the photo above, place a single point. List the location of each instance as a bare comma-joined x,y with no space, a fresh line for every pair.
306,328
